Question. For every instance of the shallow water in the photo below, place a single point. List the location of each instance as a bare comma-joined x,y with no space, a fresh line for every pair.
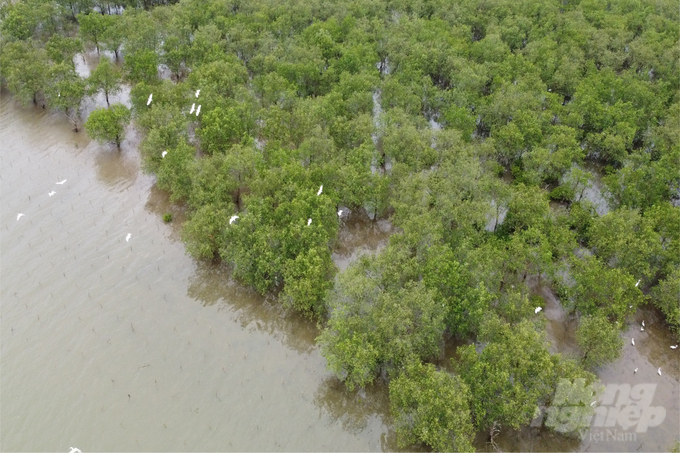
110,345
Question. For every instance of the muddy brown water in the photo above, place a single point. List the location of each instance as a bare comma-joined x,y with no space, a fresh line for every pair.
110,345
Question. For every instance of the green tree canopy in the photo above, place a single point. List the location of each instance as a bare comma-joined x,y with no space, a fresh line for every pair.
431,406
108,125
106,78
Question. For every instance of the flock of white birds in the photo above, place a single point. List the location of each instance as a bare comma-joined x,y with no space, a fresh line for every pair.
52,193
642,328
309,222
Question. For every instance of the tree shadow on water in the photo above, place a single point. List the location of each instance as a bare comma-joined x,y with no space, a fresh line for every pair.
212,283
355,409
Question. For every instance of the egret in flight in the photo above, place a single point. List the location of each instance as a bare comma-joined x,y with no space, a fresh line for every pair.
537,309
75,450
52,192
20,215
127,238
193,107
320,190
638,282
635,370
61,182
632,341
198,92
309,221
198,110
233,219
164,153
659,371
150,98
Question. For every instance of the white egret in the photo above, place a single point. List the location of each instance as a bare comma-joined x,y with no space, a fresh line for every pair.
150,98
51,192
309,222
20,215
642,328
233,219
75,450
320,190
61,182
675,346
659,371
198,110
638,282
198,92
340,213
537,309
632,341
635,370
643,323
193,107
593,403
127,238
164,153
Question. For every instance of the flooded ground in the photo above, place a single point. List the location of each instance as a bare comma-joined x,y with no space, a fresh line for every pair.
110,345
116,345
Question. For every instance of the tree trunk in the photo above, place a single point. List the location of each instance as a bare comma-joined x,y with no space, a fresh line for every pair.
118,142
106,95
116,52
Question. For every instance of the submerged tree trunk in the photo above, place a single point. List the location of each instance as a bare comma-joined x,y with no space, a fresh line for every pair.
73,119
495,431
106,95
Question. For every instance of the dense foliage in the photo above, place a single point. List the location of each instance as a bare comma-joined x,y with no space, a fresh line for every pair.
459,121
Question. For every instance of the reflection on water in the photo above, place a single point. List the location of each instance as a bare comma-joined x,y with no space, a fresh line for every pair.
359,236
111,345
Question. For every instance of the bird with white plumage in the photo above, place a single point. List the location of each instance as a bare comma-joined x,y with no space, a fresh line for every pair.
149,100
233,219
